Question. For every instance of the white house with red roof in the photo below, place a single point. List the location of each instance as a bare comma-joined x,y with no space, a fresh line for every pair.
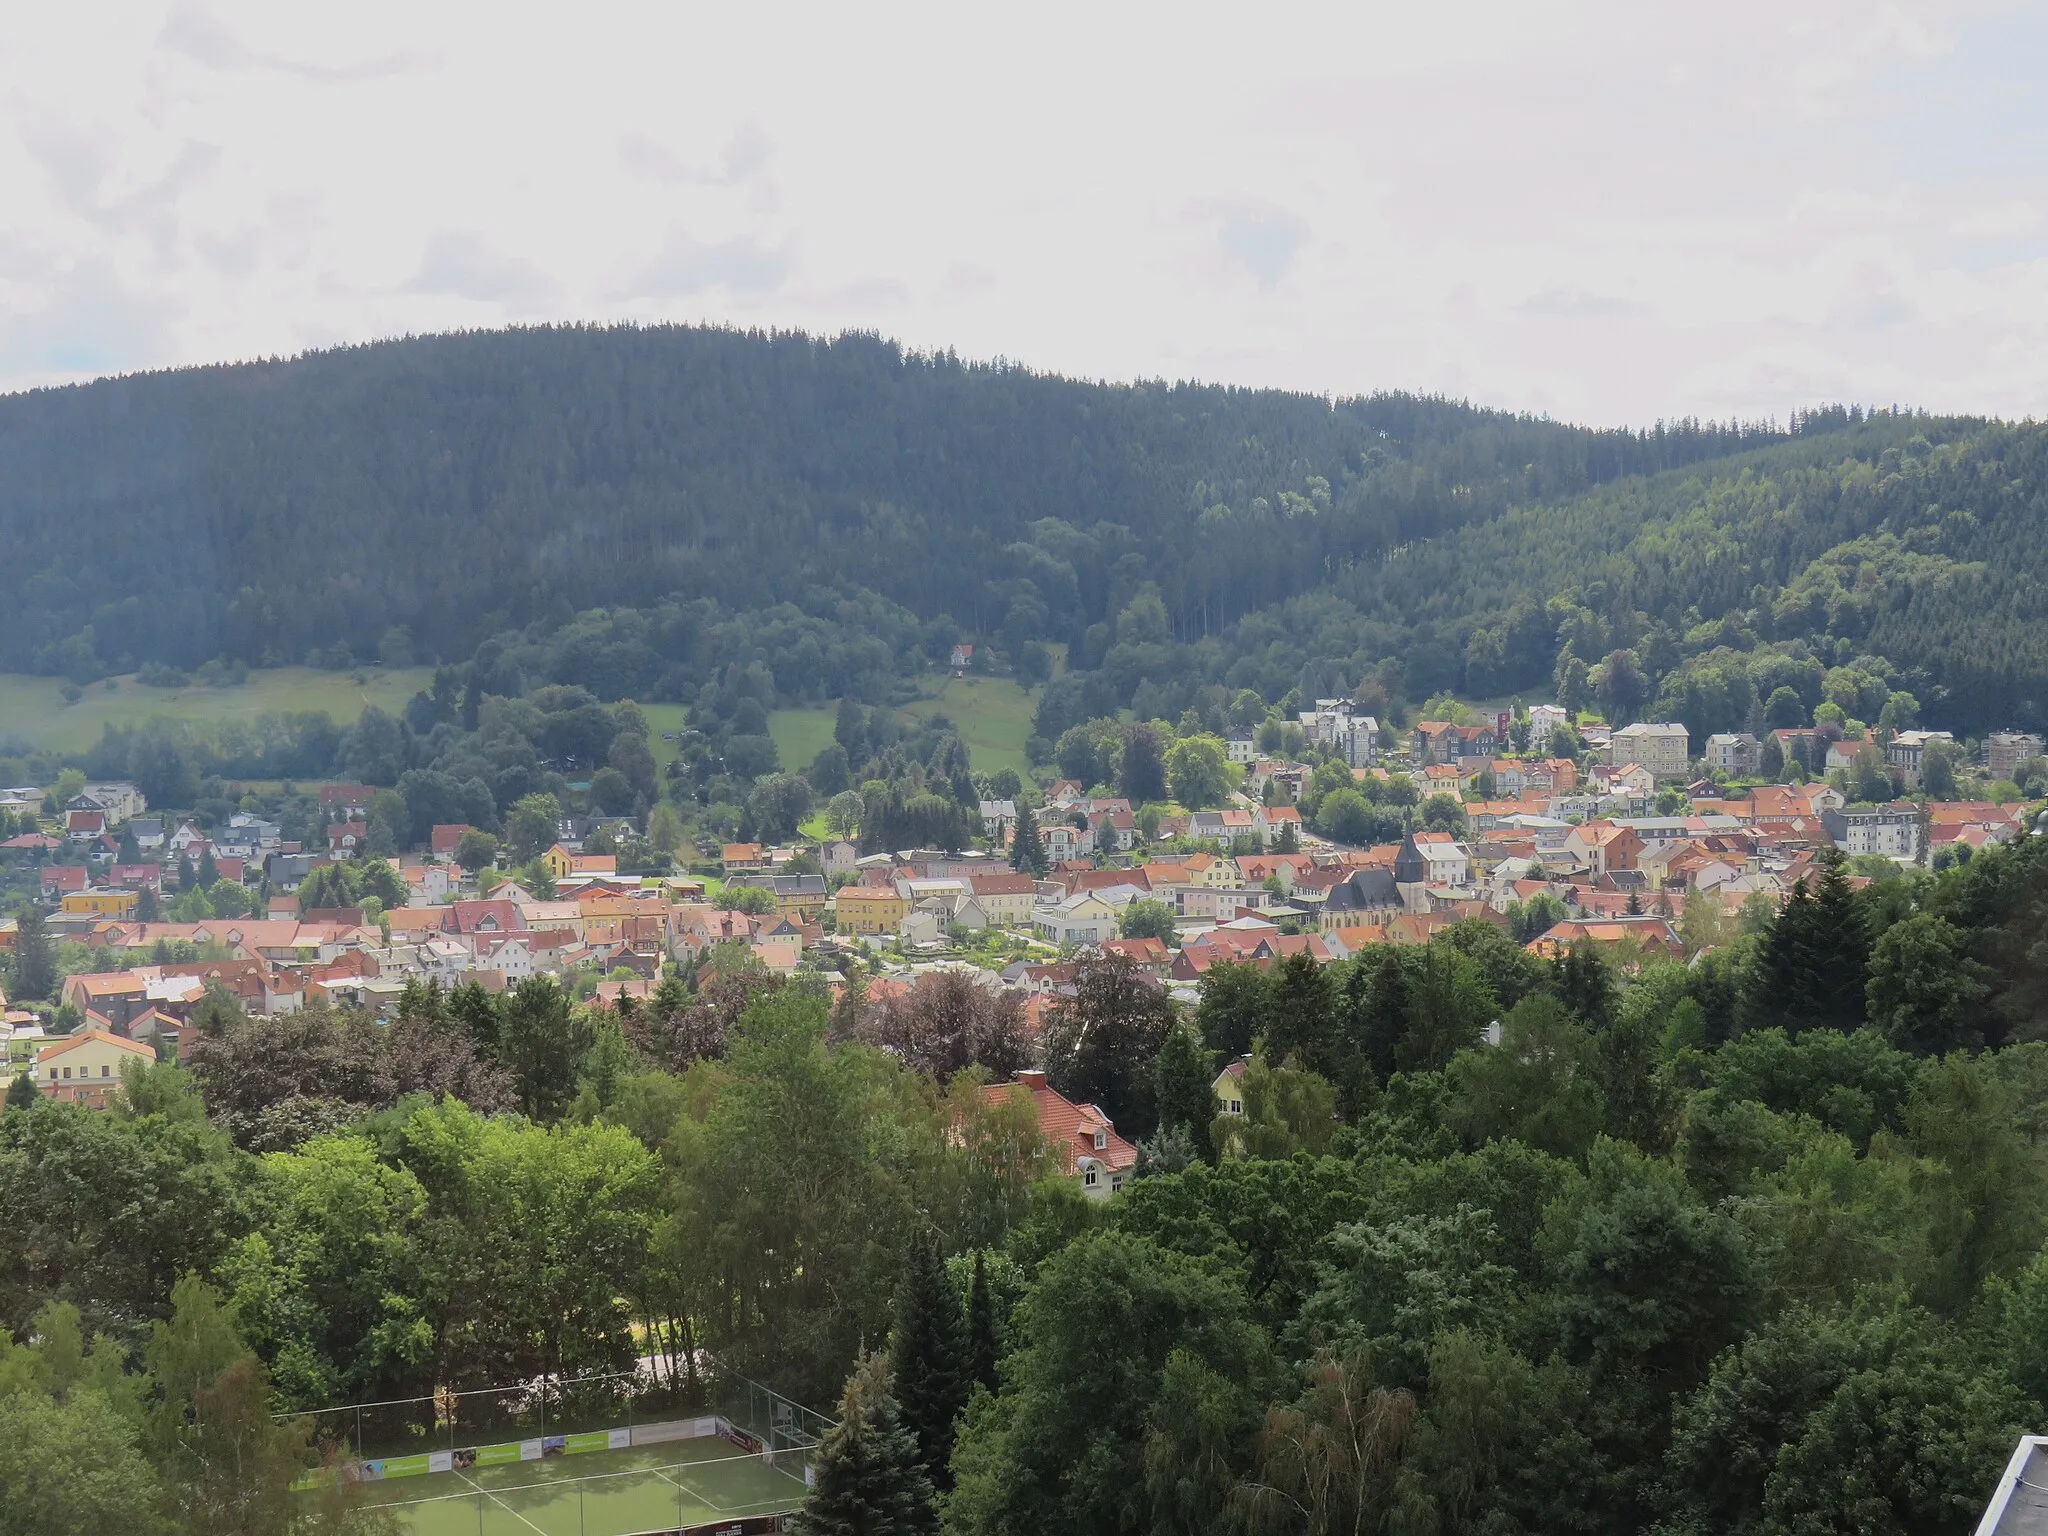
1080,1135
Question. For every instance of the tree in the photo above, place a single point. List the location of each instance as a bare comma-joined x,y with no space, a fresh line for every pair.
1345,817
1142,775
1027,853
1199,771
928,1357
1286,1109
73,1466
1183,1078
983,1352
842,814
1101,1042
22,1092
543,1039
1147,919
1232,1010
1085,1389
532,827
948,1022
1925,991
1327,1462
869,1477
476,850
34,970
1540,1085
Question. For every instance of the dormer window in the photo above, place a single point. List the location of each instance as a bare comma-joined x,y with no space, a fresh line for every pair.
1088,1178
1101,1138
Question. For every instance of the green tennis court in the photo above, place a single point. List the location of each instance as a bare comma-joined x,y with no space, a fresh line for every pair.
605,1493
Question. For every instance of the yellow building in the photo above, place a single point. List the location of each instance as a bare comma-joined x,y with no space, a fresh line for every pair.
103,903
85,1068
868,909
558,862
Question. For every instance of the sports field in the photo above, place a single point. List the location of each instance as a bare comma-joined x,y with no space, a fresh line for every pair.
606,1493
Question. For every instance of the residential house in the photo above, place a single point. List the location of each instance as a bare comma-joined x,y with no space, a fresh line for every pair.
148,832
1543,720
1663,747
1439,741
1079,919
85,1068
798,896
1907,752
445,838
61,880
84,826
838,856
1735,753
188,842
344,838
1079,1135
2004,751
1333,724
119,801
868,910
1891,831
346,801
250,837
997,817
1063,842
101,903
137,877
1005,898
743,858
1229,1088
1653,934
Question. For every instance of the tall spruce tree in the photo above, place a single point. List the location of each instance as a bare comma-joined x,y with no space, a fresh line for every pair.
869,1476
35,962
1383,1019
1837,950
928,1350
982,1350
1182,1080
1027,853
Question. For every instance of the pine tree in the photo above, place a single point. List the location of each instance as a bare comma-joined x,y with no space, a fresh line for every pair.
928,1350
869,1479
1027,854
1837,951
1777,984
1182,1081
1383,1021
209,872
35,962
982,1349
21,1094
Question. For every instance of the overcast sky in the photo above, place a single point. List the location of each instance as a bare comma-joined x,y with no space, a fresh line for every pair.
1610,213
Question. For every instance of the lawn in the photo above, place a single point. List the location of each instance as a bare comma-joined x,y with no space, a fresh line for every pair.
608,1493
992,715
33,708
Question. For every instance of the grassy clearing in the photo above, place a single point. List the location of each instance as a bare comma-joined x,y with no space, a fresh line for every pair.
992,715
801,734
33,708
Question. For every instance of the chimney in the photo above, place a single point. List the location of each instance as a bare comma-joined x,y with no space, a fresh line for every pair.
1032,1080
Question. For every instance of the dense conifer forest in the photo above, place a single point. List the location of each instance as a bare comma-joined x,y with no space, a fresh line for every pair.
702,497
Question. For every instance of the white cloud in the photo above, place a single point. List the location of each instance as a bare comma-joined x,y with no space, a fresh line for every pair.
1609,213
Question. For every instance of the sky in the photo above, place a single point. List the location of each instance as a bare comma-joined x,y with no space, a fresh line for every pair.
1613,213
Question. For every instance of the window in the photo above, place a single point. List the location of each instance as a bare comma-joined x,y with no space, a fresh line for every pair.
1101,1138
105,1070
1088,1178
1237,1106
67,1072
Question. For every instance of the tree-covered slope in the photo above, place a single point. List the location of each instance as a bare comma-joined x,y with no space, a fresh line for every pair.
459,485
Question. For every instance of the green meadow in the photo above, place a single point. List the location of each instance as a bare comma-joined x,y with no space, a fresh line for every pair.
33,708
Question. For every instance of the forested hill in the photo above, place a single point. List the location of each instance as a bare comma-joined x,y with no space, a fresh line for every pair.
461,484
722,492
